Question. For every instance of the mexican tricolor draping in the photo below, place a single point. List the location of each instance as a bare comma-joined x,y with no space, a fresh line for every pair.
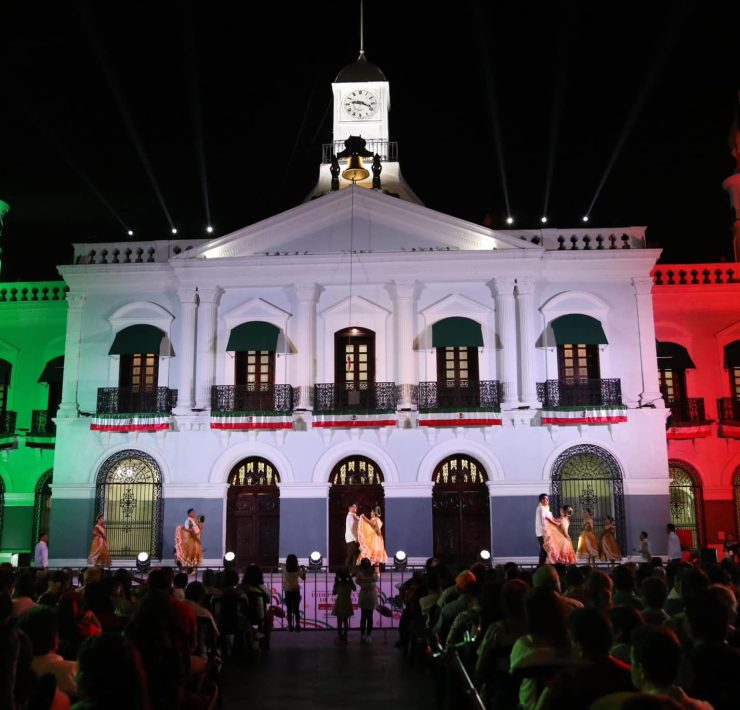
7,441
460,417
689,432
245,421
139,421
341,420
729,431
585,415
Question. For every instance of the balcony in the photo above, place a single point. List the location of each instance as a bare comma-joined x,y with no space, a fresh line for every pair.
7,429
456,394
580,393
252,398
687,412
728,409
380,396
43,430
129,400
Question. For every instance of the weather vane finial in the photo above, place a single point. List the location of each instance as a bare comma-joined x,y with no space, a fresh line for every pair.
362,30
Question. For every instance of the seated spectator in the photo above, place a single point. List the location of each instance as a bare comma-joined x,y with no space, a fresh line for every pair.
23,594
429,601
624,587
179,582
546,577
16,654
57,585
231,610
575,584
195,593
41,626
656,659
597,674
467,619
259,598
97,599
111,675
654,593
624,620
599,591
76,623
451,609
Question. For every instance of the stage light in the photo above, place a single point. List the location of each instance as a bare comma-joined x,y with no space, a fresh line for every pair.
142,561
400,560
229,560
484,556
543,220
314,561
509,220
209,229
130,232
585,218
174,230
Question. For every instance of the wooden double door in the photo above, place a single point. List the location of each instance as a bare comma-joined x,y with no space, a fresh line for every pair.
366,496
253,525
461,521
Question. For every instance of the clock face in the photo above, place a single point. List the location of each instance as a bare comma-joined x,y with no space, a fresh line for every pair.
360,103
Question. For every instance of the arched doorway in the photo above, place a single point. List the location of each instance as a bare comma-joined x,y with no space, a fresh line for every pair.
253,513
587,476
355,479
687,503
461,510
129,495
41,506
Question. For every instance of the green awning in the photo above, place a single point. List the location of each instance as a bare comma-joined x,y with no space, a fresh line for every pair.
54,370
456,332
732,354
576,328
141,339
255,335
672,356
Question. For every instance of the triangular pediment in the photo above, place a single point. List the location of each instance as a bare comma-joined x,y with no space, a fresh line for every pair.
358,220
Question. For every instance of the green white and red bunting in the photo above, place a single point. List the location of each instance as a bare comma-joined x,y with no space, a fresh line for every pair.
348,421
460,417
131,422
245,422
729,431
566,416
690,432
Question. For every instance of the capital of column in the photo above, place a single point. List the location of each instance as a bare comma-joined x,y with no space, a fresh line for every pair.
210,294
502,286
75,301
643,285
187,295
403,290
525,286
307,293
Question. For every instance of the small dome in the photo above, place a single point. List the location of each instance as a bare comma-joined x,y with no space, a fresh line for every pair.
361,70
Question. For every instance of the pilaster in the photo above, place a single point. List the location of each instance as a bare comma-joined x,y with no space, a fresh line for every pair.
186,351
404,294
650,395
528,353
69,406
307,296
208,299
503,293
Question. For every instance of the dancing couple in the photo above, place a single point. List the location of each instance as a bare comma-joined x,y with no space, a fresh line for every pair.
189,541
552,534
364,538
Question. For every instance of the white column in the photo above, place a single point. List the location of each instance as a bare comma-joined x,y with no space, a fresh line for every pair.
186,351
69,406
305,339
404,311
527,338
650,394
503,293
208,299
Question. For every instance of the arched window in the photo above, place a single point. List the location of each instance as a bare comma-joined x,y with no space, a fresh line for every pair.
687,503
461,510
456,341
42,506
129,495
356,471
589,477
253,512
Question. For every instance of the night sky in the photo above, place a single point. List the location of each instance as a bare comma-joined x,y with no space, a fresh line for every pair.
244,89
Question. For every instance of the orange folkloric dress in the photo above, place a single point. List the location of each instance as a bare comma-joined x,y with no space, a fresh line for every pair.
370,540
588,545
188,544
99,554
558,544
608,545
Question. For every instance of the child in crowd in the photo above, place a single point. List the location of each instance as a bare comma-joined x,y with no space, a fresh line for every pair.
343,588
292,574
367,579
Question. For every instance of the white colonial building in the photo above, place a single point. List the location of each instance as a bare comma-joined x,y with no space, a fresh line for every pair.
360,346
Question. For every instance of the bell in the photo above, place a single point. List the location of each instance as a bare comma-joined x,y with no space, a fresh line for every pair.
355,170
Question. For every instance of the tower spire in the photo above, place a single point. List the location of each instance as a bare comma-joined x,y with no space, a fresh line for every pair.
362,29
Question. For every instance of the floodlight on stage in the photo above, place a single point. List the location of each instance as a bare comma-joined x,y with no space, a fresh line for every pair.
543,220
509,220
315,560
209,229
174,230
585,218
229,560
484,556
142,561
400,560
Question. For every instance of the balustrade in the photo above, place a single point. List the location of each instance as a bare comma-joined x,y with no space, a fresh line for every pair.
125,400
253,397
459,393
569,392
365,395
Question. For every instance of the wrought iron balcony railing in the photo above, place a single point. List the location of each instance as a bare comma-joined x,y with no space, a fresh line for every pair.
365,395
255,397
387,150
42,423
579,393
125,400
686,411
7,423
459,393
728,409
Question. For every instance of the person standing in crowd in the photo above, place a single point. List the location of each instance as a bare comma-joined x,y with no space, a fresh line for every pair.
292,574
343,610
367,580
350,537
730,547
189,541
99,552
41,552
645,554
608,546
541,515
674,543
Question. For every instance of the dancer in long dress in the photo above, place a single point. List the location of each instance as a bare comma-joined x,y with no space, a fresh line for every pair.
588,545
370,538
557,543
189,541
608,546
99,552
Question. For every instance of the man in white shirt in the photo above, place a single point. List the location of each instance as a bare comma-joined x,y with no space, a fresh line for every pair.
541,514
674,543
41,552
350,537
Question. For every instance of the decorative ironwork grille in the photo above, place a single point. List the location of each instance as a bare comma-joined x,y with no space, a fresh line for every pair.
460,469
253,397
129,495
570,392
7,422
728,409
355,396
690,410
42,423
461,393
254,471
125,400
587,476
356,470
736,484
687,500
42,506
